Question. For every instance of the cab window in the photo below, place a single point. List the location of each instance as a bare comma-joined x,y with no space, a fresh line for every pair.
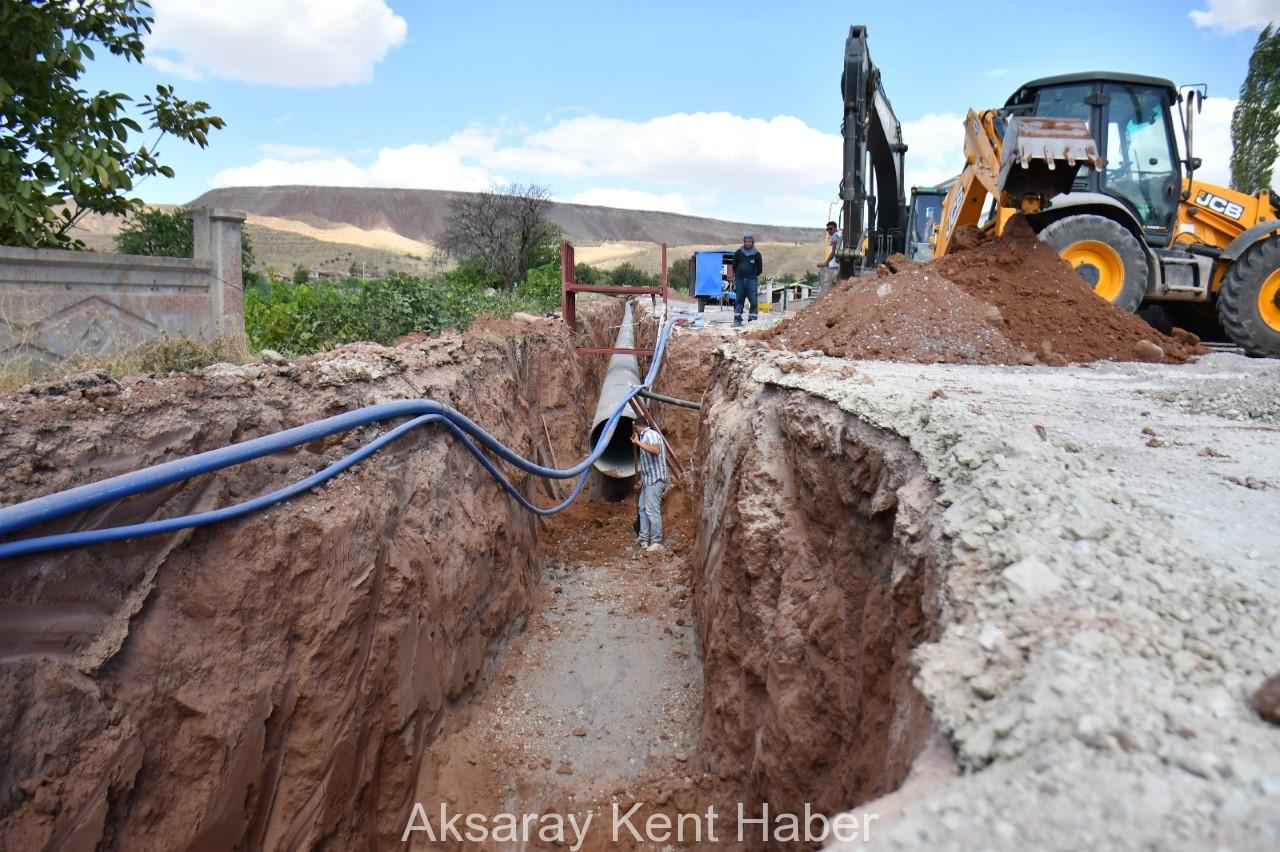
1141,163
1065,102
1069,102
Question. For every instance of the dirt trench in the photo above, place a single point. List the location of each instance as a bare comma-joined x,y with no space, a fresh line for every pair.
406,634
819,557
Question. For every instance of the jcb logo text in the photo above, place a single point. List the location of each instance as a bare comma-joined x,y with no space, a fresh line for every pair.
1218,204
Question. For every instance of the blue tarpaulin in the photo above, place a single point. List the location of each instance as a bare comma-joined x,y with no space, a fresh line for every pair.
708,273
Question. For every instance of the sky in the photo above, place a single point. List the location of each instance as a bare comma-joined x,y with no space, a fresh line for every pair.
729,110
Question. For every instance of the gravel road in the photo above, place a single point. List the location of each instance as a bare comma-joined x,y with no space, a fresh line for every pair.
1113,599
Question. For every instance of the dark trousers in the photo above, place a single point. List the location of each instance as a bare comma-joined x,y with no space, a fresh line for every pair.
745,289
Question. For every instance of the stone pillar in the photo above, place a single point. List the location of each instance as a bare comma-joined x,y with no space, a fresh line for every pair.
217,243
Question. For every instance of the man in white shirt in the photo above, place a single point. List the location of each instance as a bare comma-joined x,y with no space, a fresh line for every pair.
833,243
653,480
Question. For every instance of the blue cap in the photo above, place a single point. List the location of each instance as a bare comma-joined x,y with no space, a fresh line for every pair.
748,237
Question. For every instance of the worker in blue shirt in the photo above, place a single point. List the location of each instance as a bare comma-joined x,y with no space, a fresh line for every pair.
745,272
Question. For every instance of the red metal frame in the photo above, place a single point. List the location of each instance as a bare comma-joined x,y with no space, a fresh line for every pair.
570,288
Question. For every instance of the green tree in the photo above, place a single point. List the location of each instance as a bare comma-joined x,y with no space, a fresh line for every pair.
787,278
585,273
810,278
1256,119
63,151
680,274
158,233
301,275
630,275
504,231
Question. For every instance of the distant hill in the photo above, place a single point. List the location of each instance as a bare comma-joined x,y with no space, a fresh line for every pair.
337,231
419,214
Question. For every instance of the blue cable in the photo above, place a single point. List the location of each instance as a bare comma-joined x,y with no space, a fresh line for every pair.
61,504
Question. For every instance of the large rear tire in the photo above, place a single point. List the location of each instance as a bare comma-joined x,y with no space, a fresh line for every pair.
1249,299
1104,254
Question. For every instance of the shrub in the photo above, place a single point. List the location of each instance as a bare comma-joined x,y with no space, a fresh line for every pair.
630,275
585,273
680,274
302,318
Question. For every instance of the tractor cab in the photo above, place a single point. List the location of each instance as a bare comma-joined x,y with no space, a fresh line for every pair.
924,213
1129,117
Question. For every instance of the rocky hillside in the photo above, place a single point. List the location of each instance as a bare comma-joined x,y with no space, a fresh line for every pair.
419,214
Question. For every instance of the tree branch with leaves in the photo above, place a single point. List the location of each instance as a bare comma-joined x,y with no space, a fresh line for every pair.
1256,119
63,151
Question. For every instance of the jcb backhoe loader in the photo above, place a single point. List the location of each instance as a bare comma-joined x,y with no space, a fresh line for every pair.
1092,160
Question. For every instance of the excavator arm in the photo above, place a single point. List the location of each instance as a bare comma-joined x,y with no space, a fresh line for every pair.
873,186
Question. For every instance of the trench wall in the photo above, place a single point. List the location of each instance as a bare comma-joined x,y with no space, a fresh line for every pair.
816,571
270,683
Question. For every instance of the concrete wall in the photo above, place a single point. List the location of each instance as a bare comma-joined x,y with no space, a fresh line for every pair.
55,303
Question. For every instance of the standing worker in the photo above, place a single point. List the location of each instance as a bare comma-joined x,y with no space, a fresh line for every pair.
745,272
653,482
833,243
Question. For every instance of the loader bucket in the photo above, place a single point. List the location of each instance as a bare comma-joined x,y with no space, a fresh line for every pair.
1040,157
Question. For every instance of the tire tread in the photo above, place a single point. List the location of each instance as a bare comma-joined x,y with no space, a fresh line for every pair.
1238,295
1089,226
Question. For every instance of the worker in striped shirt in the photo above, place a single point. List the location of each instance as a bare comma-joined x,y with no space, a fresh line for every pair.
653,482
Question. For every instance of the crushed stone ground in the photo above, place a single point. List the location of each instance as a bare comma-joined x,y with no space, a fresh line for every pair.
1113,595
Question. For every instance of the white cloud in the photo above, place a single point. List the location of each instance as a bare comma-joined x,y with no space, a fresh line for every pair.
173,69
633,199
701,151
995,72
935,148
1232,16
282,42
427,167
778,170
789,209
703,154
336,171
414,166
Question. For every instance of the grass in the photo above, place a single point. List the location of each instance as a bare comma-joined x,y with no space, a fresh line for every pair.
161,355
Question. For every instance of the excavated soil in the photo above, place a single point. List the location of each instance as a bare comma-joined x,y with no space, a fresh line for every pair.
1003,300
274,682
406,634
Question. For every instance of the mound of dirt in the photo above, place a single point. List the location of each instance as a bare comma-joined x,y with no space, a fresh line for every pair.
913,315
1007,300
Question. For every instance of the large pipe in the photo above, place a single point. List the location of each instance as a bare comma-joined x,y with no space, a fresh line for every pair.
623,373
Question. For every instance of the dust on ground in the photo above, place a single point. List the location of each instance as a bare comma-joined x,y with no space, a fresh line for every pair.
596,703
1003,300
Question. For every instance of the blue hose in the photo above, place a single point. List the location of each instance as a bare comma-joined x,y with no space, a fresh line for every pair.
472,437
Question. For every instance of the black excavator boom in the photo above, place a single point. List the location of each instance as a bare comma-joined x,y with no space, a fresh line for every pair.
873,187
